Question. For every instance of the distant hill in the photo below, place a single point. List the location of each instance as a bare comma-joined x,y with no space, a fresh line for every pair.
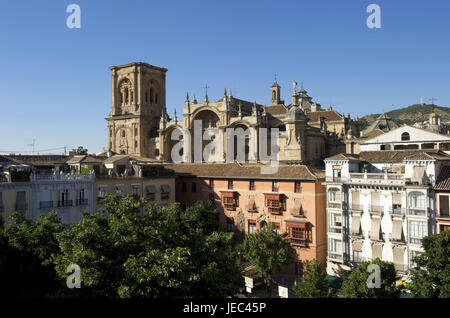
410,115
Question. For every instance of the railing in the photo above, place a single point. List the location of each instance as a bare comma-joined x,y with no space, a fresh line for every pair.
356,207
61,177
82,202
335,229
376,209
336,256
335,205
415,240
21,207
298,242
336,179
64,203
388,178
45,204
397,211
417,211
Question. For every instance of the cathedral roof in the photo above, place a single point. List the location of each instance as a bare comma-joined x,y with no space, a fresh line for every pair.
276,109
329,115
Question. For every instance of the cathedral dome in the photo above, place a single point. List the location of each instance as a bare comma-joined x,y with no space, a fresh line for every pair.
295,113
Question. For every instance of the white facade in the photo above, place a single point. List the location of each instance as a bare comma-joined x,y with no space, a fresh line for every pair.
407,137
378,214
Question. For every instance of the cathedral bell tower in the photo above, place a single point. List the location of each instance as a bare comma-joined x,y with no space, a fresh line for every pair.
138,99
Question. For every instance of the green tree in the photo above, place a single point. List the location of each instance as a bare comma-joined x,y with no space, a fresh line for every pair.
355,286
431,277
313,284
27,249
168,252
268,252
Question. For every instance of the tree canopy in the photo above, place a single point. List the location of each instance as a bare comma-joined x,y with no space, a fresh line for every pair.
431,277
313,283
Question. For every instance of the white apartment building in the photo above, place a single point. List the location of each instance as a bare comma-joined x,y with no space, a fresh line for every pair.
380,204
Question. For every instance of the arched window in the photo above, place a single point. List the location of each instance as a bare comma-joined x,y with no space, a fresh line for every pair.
123,133
417,200
405,136
151,96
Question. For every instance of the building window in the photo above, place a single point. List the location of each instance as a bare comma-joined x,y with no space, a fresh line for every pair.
184,187
444,205
299,269
251,227
230,184
194,187
274,186
120,189
417,200
230,225
123,132
297,187
251,185
417,230
165,192
150,193
229,203
135,190
298,235
357,257
405,136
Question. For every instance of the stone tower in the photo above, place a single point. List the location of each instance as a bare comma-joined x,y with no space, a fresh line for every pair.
275,93
138,102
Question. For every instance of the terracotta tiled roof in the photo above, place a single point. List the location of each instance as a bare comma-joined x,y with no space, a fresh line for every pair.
443,181
374,133
400,155
115,158
276,109
244,171
329,115
343,156
38,159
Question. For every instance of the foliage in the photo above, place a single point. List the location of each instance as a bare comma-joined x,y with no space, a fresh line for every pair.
355,286
267,252
26,256
313,284
431,277
169,252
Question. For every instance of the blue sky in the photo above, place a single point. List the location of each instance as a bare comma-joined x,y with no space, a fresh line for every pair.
55,83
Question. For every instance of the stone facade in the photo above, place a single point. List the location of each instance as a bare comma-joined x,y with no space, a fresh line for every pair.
138,123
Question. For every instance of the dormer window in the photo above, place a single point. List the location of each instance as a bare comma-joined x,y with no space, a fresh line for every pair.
405,136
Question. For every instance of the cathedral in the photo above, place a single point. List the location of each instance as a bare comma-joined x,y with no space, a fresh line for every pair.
139,125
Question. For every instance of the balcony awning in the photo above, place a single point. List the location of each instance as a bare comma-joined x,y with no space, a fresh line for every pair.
165,188
398,255
397,198
272,196
227,194
418,173
356,222
357,246
296,209
355,198
376,251
251,204
375,229
397,230
297,223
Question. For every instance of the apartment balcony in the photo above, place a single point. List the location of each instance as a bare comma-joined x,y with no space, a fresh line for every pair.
397,211
415,240
336,257
82,202
61,177
377,178
335,205
336,179
376,210
45,204
335,229
65,203
298,242
418,212
356,208
381,237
